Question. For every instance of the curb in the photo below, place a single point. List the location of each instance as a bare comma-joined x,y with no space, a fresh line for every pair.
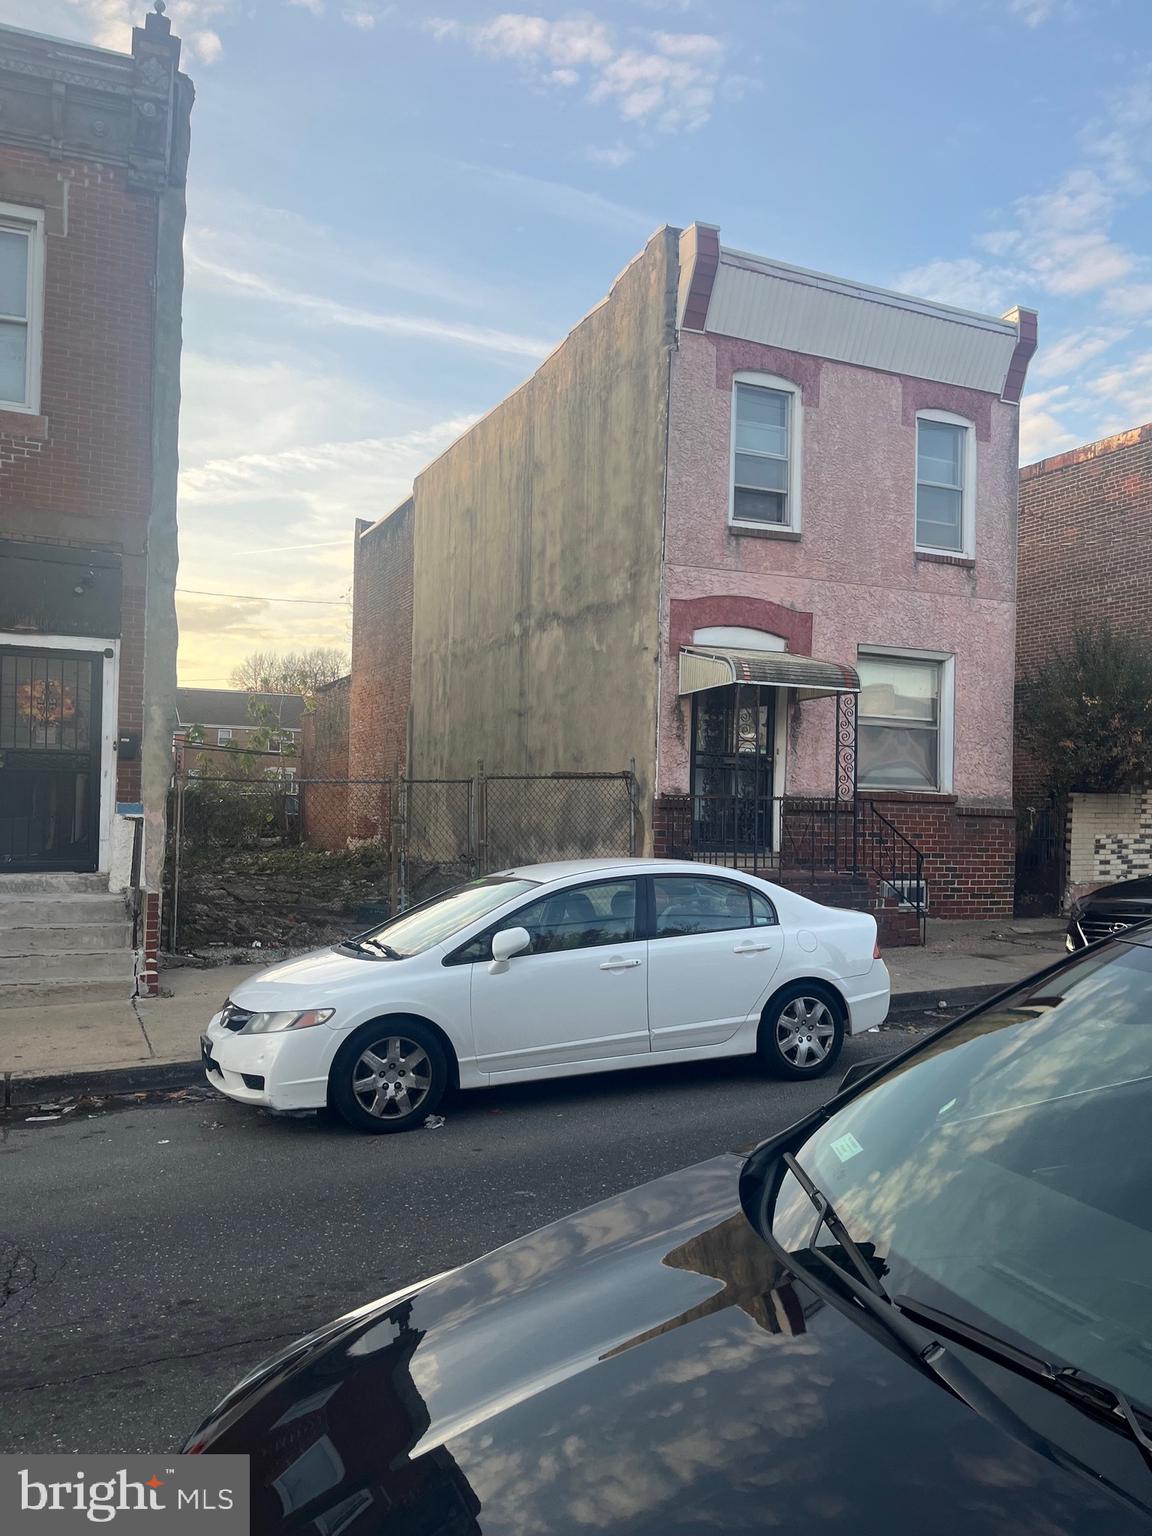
18,1090
911,1007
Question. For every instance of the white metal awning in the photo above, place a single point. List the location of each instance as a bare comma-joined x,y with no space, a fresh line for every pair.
709,668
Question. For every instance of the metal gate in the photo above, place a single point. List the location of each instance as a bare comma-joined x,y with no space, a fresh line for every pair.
49,759
1041,859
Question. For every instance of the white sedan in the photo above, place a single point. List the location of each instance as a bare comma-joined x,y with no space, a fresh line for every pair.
547,971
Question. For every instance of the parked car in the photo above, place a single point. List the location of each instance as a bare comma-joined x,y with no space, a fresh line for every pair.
1109,911
545,971
924,1308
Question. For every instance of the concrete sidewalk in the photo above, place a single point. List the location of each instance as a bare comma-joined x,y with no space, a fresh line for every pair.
51,1051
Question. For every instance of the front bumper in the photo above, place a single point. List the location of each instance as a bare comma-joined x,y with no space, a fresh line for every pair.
286,1070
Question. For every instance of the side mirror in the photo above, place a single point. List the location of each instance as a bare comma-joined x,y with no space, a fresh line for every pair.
506,943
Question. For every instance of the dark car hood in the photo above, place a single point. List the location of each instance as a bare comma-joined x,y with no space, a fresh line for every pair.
1138,889
645,1366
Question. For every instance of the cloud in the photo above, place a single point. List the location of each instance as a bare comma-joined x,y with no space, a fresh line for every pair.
214,275
614,155
109,23
560,200
315,6
1042,433
1074,350
1127,390
666,80
1033,13
965,282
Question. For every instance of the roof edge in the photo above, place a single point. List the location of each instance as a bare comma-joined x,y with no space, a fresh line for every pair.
1086,452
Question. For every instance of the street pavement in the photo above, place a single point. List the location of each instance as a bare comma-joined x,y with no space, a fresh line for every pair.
151,1253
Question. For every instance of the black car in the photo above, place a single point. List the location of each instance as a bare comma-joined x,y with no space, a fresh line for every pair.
1110,911
925,1310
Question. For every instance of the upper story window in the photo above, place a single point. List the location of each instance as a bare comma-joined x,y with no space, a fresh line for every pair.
224,735
21,269
765,453
945,483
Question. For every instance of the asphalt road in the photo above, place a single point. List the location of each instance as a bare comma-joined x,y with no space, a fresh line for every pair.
150,1255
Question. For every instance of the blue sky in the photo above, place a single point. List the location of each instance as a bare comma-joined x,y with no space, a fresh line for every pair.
396,209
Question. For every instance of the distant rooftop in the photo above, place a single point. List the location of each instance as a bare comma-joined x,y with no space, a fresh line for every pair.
229,707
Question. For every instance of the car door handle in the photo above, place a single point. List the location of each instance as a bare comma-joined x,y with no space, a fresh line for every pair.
619,965
750,949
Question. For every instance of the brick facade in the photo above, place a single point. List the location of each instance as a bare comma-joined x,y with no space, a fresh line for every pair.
323,767
92,469
1085,535
381,686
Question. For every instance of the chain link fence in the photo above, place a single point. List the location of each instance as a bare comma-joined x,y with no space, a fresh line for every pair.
270,860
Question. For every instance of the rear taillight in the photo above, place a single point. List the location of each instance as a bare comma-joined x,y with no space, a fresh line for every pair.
876,950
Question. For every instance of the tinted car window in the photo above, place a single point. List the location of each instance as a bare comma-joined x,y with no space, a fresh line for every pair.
579,917
687,904
1004,1173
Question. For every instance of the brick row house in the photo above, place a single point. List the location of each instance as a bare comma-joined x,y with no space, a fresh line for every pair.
1085,537
751,529
93,155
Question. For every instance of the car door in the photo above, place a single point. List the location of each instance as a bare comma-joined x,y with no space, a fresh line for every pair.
577,994
714,948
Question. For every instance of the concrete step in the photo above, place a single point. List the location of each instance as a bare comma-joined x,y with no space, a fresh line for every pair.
39,994
64,967
74,938
44,911
53,883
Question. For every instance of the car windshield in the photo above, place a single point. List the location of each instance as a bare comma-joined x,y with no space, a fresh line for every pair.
439,918
1004,1174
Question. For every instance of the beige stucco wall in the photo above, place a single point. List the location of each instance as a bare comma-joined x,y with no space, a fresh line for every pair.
537,557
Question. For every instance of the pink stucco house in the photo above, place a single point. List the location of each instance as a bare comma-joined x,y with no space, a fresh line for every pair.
752,528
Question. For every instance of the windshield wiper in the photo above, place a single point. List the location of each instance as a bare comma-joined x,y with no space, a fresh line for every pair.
928,1354
365,946
1078,1386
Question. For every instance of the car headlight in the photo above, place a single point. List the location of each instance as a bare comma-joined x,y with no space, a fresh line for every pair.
273,1023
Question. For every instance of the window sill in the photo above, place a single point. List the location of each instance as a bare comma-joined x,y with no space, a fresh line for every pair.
764,531
17,423
938,557
911,796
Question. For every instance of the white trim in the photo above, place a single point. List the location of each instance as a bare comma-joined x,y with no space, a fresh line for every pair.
109,716
31,222
795,443
967,550
734,637
946,728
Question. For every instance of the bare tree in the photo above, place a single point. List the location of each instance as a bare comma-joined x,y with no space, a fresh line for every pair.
291,671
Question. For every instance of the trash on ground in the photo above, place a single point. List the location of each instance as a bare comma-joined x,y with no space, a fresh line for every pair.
875,1030
165,1143
433,1122
37,1119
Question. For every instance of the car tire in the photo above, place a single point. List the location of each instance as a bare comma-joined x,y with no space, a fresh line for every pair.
794,1039
388,1076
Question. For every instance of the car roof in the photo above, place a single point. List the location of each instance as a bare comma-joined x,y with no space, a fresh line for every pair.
563,869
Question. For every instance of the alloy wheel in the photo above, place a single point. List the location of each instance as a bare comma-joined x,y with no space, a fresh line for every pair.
391,1078
805,1031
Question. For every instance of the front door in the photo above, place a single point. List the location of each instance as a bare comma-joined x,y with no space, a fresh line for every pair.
578,993
49,759
716,945
733,740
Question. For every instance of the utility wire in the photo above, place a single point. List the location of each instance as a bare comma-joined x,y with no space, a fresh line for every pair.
252,597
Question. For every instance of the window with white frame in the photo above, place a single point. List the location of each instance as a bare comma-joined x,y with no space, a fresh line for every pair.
765,452
224,735
21,260
905,721
945,482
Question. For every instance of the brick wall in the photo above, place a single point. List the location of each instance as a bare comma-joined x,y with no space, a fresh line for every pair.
79,473
381,685
324,757
969,852
1085,535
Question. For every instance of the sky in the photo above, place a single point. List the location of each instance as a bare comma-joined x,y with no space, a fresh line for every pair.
396,210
